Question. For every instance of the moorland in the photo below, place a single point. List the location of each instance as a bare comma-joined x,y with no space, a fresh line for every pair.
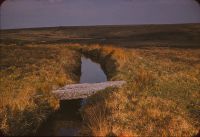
161,64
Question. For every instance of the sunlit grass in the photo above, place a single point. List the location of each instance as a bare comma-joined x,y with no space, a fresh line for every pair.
161,97
28,74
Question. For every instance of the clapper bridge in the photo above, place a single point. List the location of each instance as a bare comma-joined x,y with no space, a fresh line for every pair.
84,90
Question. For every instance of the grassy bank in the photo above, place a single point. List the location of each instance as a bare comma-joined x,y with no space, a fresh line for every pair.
161,64
160,99
28,74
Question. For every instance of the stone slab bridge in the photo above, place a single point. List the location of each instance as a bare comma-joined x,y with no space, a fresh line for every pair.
79,91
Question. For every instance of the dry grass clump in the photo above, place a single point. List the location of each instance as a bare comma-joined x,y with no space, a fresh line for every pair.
161,97
106,55
27,75
99,117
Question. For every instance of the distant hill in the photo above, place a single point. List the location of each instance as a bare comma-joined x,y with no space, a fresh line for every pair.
177,35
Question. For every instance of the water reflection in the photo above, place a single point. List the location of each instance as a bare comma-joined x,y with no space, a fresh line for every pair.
67,120
91,72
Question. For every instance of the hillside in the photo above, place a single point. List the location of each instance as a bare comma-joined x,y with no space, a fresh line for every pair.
185,35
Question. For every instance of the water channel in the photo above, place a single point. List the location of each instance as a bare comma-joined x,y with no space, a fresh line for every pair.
67,120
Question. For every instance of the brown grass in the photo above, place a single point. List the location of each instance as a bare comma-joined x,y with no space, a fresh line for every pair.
28,74
161,97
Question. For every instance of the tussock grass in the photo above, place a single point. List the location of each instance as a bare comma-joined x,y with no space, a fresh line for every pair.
161,97
28,74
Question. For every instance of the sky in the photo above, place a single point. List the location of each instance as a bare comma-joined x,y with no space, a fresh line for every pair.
49,13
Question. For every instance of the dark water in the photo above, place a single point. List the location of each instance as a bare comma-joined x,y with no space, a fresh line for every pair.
67,120
91,72
46,13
